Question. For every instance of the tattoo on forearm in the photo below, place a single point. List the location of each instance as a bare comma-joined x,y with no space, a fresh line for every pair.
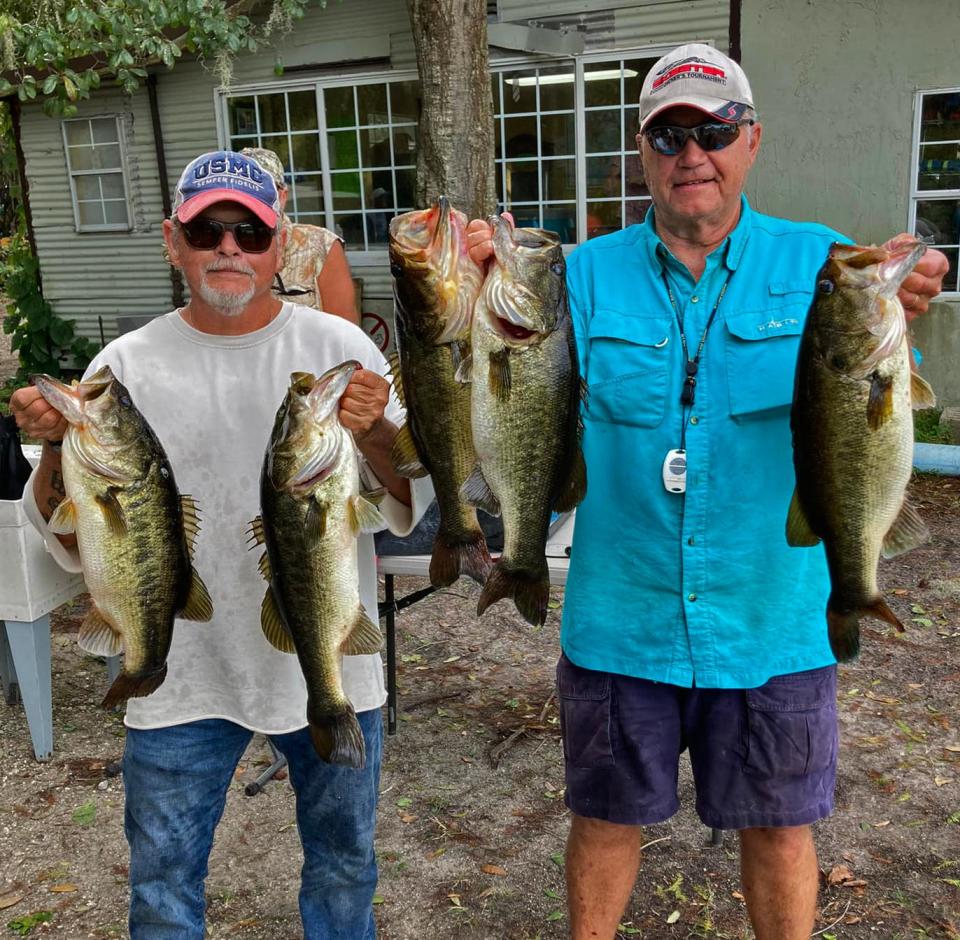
56,484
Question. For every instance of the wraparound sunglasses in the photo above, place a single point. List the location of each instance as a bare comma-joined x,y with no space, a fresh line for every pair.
206,234
714,135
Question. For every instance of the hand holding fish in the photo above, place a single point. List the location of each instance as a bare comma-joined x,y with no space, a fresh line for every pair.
480,239
363,403
924,282
36,417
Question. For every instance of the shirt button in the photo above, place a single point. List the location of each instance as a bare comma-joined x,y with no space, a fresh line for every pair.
694,299
691,541
691,597
694,420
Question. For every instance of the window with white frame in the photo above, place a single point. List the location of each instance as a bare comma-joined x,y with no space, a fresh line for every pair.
357,143
935,187
96,168
566,155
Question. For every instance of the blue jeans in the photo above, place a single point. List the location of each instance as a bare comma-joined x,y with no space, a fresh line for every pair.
176,782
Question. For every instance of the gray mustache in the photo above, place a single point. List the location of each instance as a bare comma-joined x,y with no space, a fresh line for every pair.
228,266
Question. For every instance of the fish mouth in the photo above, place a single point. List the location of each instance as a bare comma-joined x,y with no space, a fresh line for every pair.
872,266
514,331
70,400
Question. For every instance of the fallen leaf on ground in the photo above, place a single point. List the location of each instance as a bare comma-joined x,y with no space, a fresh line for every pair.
486,893
839,874
941,781
673,918
493,869
64,888
8,900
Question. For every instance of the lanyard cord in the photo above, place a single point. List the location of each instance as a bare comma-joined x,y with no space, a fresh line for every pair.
691,366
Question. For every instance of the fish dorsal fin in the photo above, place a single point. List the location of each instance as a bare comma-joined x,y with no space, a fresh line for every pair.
500,378
406,461
255,532
263,566
575,486
477,492
908,531
464,372
880,402
198,605
191,522
64,518
98,637
376,496
396,378
364,638
921,394
363,516
113,513
315,523
278,636
799,532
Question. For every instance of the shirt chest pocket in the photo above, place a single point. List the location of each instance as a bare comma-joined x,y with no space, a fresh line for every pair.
762,347
627,368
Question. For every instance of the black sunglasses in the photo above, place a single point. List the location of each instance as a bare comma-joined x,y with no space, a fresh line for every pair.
713,135
206,234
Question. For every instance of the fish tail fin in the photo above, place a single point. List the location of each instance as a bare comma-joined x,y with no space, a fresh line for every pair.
843,626
135,685
338,739
455,556
530,591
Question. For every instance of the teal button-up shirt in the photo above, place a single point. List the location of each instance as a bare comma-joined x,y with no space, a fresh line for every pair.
700,588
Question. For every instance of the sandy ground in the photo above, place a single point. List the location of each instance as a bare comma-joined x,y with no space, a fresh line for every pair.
472,823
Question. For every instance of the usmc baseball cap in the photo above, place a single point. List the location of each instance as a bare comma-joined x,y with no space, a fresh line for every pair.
698,76
226,176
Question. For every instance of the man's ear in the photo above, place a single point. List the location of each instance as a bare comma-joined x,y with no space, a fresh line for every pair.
171,243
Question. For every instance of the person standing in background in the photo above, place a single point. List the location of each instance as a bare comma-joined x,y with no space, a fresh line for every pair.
315,271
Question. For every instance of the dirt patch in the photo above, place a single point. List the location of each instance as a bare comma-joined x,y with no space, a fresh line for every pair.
472,823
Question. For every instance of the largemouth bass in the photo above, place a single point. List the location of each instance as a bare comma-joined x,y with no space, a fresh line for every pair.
436,285
135,532
853,431
525,397
311,515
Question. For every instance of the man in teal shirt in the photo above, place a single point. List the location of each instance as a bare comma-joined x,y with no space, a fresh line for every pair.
688,621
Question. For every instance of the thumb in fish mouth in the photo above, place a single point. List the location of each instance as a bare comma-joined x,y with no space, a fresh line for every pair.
63,398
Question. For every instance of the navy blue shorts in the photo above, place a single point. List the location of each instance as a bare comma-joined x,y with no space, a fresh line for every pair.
760,757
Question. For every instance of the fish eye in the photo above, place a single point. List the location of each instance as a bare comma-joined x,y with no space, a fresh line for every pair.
125,401
164,472
396,269
557,268
825,286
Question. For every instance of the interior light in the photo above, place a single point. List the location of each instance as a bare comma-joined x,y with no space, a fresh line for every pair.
525,81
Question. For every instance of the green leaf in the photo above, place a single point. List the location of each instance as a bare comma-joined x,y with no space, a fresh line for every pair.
86,814
404,801
49,83
555,915
25,923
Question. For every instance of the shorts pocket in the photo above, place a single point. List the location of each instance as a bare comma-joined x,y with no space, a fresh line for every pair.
791,724
627,368
584,697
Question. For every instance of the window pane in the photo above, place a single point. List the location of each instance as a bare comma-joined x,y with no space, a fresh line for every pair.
602,131
106,157
601,83
309,194
940,119
405,146
404,104
603,218
559,179
495,92
273,113
81,158
378,227
372,104
520,91
556,88
349,226
306,152
303,110
112,184
279,145
104,131
243,115
521,136
562,220
378,187
499,174
635,183
238,143
346,190
633,83
88,187
526,216
603,177
939,166
339,105
375,147
78,132
631,127
91,213
343,149
522,182
938,221
636,211
406,187
557,134
116,212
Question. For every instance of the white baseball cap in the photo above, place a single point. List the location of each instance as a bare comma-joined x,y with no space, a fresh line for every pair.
698,76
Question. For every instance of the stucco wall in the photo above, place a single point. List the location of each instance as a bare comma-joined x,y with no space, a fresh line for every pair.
835,84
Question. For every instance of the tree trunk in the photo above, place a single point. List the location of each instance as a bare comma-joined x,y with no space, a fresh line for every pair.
455,149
